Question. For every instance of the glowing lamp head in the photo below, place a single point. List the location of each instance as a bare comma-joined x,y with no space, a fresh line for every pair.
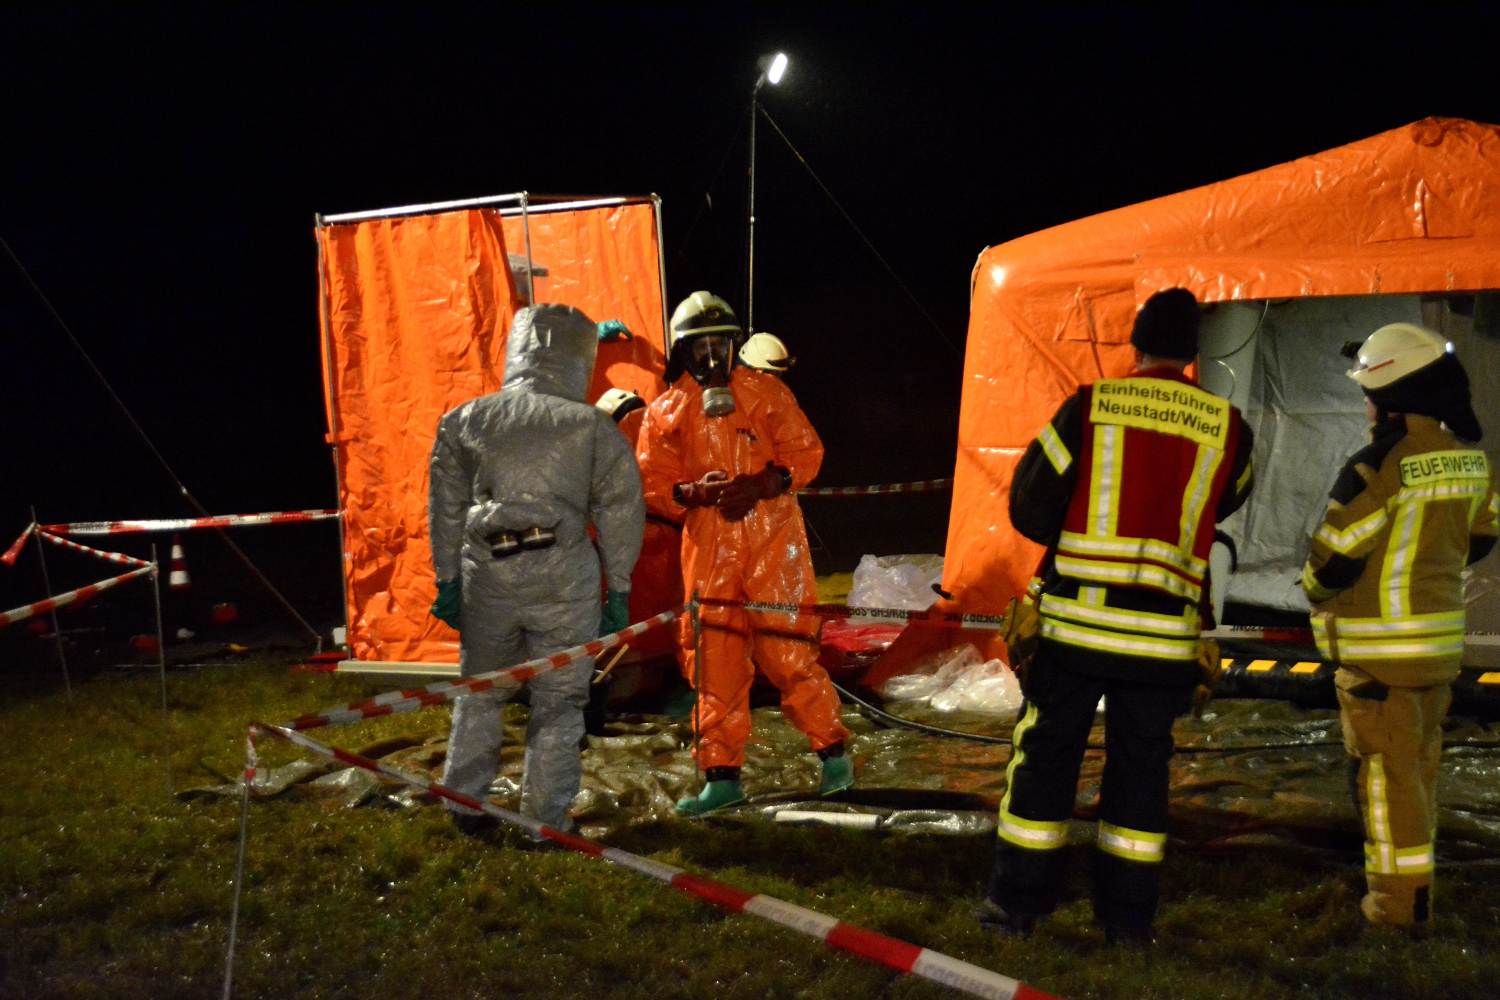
777,69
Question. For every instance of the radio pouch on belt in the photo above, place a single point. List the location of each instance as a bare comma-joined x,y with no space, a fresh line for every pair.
1020,628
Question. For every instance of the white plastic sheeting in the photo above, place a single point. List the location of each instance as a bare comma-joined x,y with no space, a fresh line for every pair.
896,582
958,680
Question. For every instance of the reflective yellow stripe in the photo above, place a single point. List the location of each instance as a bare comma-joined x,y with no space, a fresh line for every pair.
1052,446
1377,817
1124,574
1034,587
1130,549
1171,626
1245,478
1119,642
1320,637
1109,452
1260,666
1133,845
1400,556
1436,622
1346,541
1441,491
1205,467
1012,828
1401,649
1092,595
1495,504
1316,592
1384,859
1306,667
1032,834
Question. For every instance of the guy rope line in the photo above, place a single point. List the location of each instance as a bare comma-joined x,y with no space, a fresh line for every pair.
192,501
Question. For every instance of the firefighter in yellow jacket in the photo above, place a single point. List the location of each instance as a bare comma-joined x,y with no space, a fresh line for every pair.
1408,512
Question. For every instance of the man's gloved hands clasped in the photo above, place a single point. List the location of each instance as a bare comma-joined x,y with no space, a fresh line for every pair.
616,614
450,601
704,492
744,491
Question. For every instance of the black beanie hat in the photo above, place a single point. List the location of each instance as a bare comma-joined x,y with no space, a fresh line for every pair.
1167,326
1439,390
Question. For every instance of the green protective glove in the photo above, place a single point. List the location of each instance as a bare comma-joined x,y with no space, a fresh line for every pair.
616,612
611,329
450,601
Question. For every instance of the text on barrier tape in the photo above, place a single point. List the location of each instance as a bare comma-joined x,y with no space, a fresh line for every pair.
62,600
187,523
927,485
947,619
397,702
890,952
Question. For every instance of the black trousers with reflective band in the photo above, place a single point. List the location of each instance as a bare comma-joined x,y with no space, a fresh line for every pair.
1054,732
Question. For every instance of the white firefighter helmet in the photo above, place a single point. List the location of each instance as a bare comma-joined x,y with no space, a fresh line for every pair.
767,353
1394,352
703,313
620,402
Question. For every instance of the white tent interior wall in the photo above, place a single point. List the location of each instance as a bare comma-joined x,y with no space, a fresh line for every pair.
1279,362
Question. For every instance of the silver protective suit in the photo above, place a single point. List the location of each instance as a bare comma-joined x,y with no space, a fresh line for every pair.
534,454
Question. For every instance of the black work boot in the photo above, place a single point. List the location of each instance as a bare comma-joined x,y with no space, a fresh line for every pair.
993,917
474,825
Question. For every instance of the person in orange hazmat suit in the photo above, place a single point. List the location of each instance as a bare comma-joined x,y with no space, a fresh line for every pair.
656,582
725,448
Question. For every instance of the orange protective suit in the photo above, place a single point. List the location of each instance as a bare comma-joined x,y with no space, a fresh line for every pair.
761,558
656,582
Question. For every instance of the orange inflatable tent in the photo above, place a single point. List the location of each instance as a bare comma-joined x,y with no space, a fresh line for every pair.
1401,225
416,305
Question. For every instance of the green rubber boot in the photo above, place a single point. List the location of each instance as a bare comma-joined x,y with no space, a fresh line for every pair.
715,795
838,774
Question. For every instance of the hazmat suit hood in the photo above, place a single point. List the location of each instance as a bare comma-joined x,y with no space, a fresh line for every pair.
551,351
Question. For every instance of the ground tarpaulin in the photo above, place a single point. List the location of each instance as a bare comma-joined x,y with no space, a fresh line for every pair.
1249,771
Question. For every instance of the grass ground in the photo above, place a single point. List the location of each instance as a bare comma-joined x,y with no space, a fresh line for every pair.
110,888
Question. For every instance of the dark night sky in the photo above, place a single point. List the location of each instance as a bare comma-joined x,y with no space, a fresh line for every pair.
160,166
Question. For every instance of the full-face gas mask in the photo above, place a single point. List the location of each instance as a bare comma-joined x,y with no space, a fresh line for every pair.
704,336
709,360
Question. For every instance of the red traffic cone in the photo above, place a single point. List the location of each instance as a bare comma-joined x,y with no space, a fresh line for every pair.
179,579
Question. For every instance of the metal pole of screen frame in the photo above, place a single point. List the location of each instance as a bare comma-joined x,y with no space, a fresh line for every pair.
530,264
661,276
333,421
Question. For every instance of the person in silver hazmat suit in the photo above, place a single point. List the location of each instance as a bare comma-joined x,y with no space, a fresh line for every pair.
516,478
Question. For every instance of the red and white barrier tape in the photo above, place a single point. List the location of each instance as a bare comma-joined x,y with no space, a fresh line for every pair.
887,951
926,486
61,600
187,523
114,557
946,619
397,702
11,553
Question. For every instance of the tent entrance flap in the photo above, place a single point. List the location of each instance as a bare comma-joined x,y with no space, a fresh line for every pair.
1279,361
